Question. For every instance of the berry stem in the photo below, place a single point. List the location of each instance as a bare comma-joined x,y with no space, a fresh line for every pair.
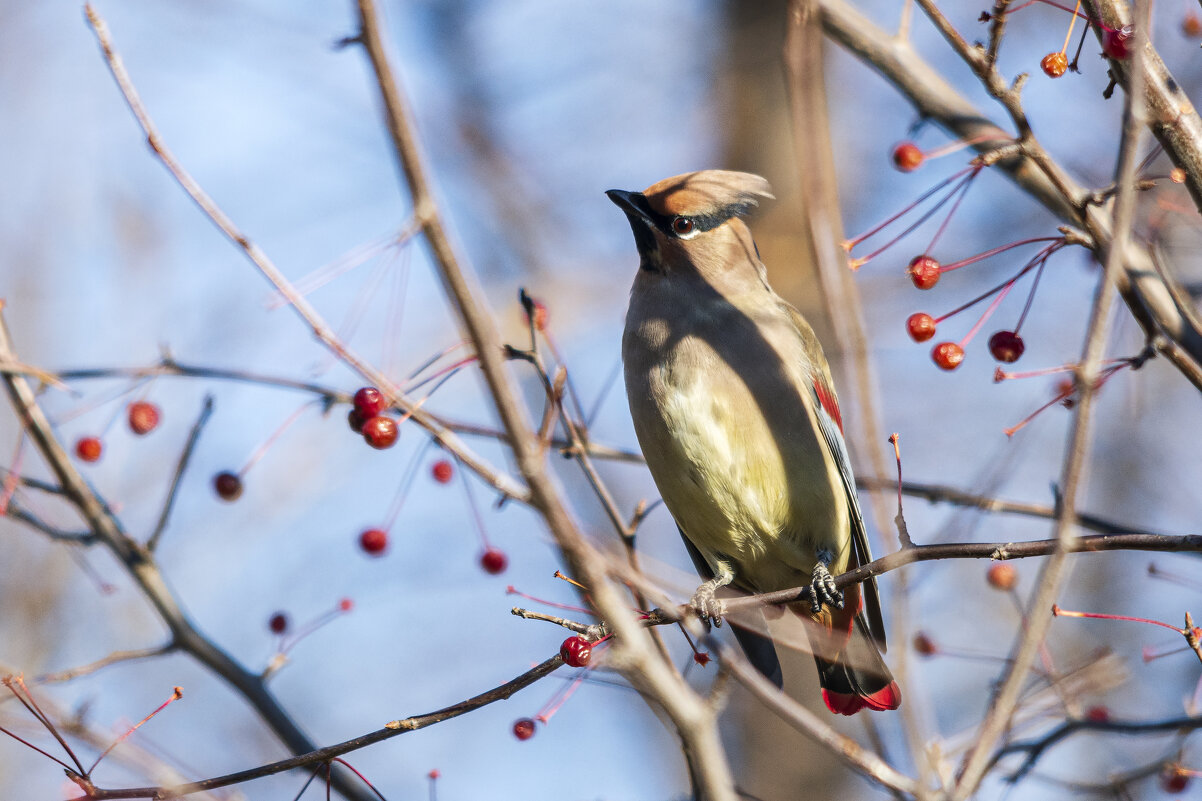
960,192
398,500
972,332
1072,23
849,244
1058,612
176,694
261,451
926,215
477,518
999,249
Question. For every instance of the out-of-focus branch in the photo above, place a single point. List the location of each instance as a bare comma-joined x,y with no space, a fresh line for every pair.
633,653
320,328
997,719
1035,748
116,657
939,493
1142,288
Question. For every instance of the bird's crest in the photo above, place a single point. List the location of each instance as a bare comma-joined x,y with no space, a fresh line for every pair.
711,197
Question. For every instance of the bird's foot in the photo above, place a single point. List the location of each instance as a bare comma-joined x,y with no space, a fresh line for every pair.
822,587
705,603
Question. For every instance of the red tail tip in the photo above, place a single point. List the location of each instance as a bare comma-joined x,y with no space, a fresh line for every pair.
846,704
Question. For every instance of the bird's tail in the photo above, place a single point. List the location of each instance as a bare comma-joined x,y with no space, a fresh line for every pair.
856,677
851,670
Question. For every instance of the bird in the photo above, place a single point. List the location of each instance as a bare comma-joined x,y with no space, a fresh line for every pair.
736,414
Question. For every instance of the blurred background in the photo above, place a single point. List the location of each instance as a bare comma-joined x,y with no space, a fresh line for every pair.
528,110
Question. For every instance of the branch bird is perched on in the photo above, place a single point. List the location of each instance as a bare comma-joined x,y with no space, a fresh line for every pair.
737,417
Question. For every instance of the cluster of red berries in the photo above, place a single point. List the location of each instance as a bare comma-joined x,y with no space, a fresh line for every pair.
1005,346
143,418
368,418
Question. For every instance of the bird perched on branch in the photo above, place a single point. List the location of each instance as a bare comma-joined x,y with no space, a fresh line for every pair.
737,417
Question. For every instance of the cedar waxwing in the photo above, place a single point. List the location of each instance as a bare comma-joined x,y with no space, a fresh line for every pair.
737,418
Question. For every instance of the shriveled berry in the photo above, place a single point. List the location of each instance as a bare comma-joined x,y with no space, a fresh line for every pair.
228,486
1173,779
924,645
370,402
1097,714
442,471
523,729
143,417
539,315
374,541
89,449
1054,64
380,432
576,651
907,157
494,561
1006,346
278,623
355,421
947,355
1001,576
1117,43
923,272
920,326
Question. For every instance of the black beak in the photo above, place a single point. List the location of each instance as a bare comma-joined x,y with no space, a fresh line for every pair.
634,204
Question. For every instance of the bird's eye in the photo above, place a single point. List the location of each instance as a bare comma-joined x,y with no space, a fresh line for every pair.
683,226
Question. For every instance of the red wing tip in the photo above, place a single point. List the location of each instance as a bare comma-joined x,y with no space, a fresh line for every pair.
879,701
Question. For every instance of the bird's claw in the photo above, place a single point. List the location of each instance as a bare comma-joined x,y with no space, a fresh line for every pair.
708,607
823,590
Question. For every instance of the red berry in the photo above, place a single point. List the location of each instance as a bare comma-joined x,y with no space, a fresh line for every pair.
494,561
89,449
1054,64
442,471
1001,576
1006,346
370,402
434,774
1117,44
1097,714
143,417
228,486
924,645
278,623
346,605
948,355
923,271
380,432
523,729
907,157
1173,779
576,652
920,326
355,421
374,541
1191,26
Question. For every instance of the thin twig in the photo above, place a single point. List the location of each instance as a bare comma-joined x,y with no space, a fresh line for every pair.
205,412
114,658
323,755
